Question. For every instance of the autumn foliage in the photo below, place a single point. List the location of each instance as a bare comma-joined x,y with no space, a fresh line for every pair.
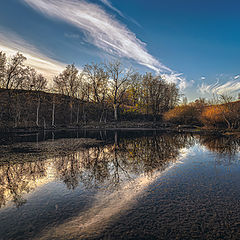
222,116
212,116
186,114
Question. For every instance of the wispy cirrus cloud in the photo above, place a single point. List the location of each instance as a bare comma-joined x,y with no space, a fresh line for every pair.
11,43
100,29
229,87
178,79
109,4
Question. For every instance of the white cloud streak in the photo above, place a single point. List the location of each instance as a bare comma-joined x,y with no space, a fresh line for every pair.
176,78
11,44
108,4
100,29
229,87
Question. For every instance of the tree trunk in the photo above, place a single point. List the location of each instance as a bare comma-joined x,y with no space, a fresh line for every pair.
84,115
102,114
44,123
71,113
78,109
226,120
38,107
53,114
115,112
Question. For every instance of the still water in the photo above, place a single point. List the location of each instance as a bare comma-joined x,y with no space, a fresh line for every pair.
133,185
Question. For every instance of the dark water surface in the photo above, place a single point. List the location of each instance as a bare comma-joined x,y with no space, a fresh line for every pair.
137,185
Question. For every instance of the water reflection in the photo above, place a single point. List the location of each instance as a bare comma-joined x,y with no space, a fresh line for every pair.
119,172
112,164
225,145
102,166
106,207
19,179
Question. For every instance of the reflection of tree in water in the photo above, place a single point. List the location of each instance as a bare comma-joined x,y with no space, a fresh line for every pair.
67,168
154,153
17,179
106,166
103,166
226,146
223,145
86,166
111,164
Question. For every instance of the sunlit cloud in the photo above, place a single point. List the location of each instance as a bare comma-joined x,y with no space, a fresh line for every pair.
229,87
100,29
176,78
11,44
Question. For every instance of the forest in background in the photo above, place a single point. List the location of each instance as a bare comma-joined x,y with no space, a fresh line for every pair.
101,93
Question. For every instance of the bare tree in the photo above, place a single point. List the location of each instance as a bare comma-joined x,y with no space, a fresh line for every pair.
159,95
228,110
134,96
119,82
153,87
68,83
83,96
15,72
13,76
36,82
98,80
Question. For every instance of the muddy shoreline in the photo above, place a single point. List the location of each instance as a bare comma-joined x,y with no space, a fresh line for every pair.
124,125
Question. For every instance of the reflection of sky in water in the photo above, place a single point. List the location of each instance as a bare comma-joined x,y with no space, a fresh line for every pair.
87,209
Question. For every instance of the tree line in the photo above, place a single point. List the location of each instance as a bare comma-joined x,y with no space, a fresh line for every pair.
99,92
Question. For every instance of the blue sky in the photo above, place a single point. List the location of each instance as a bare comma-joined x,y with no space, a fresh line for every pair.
195,44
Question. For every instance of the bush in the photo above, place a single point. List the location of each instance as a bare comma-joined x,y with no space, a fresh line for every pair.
186,114
223,116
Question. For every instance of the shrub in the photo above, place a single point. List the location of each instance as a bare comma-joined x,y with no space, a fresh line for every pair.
224,115
186,114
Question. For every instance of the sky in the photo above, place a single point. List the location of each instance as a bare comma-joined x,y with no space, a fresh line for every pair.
195,44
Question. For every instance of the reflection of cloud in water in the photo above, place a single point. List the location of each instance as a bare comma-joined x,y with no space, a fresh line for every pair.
186,152
104,209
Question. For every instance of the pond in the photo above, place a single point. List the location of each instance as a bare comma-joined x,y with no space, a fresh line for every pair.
131,185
